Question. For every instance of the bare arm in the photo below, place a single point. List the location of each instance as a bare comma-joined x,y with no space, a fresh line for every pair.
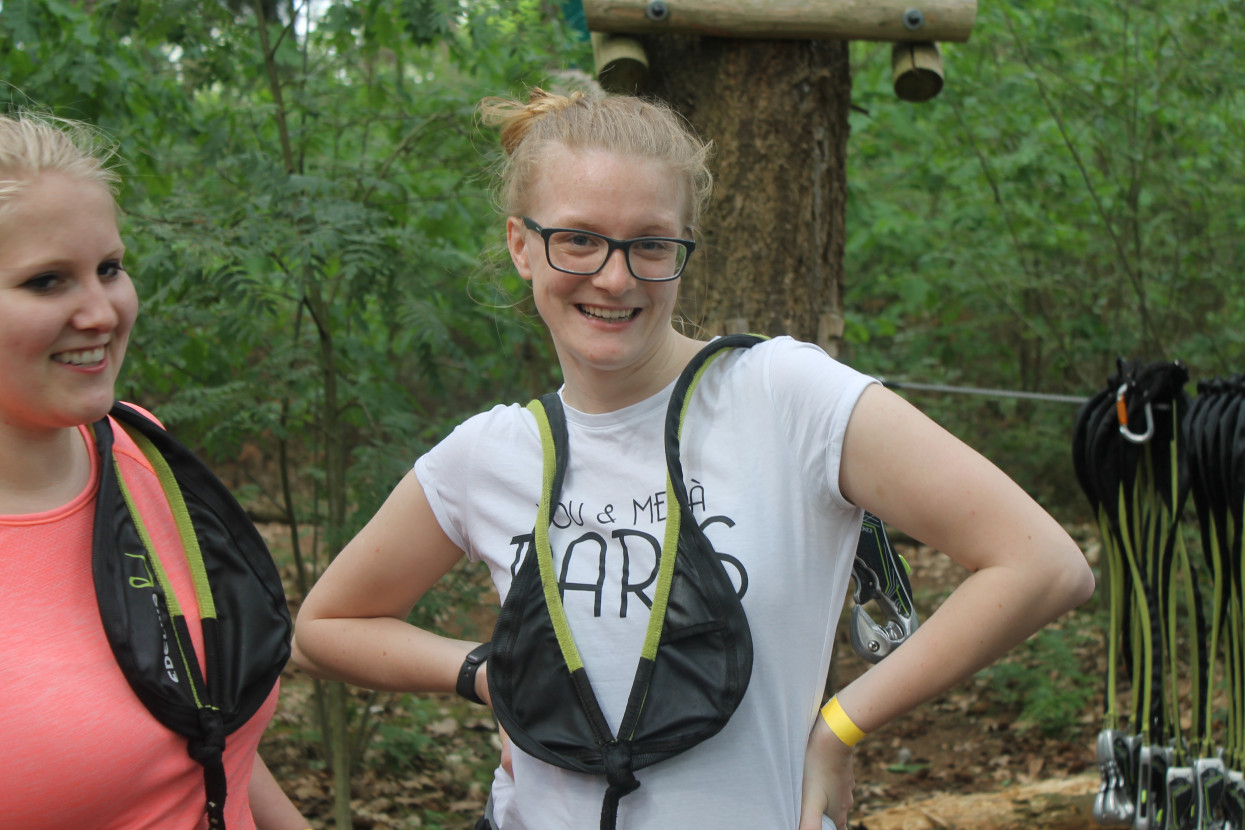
270,806
1024,572
352,625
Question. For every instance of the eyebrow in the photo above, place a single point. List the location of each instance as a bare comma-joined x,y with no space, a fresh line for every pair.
652,229
62,262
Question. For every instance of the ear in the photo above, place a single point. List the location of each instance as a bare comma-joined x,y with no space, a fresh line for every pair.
517,243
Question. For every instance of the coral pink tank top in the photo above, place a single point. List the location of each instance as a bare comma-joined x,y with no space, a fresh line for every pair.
77,748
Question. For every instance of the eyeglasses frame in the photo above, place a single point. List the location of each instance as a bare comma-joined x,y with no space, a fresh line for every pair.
623,245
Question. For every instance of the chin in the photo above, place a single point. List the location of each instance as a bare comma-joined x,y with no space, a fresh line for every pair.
89,413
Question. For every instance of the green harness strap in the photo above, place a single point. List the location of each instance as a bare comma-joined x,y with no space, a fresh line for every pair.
194,558
242,610
544,553
539,686
211,756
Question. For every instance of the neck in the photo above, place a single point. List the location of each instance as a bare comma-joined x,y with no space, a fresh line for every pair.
41,470
596,392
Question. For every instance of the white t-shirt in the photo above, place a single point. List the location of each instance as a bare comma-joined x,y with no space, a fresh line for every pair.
761,446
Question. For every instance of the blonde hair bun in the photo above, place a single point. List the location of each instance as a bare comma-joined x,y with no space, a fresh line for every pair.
622,124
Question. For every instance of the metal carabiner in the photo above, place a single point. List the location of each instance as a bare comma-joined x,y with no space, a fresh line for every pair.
1121,414
1113,805
1211,775
1233,801
1153,762
881,576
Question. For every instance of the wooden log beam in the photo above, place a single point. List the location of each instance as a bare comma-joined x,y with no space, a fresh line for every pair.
887,20
916,69
621,62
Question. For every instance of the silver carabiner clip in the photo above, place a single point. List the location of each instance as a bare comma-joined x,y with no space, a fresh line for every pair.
880,575
1121,413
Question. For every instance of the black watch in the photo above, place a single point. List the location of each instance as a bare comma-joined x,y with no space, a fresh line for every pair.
467,674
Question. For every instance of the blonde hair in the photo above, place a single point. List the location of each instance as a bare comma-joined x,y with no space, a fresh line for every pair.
31,144
617,123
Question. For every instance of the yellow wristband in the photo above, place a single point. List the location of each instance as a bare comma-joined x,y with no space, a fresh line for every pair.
840,724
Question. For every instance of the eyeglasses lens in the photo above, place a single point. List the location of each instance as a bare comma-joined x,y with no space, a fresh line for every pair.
585,253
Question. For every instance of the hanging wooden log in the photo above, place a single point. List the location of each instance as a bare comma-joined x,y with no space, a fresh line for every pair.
916,70
620,62
888,20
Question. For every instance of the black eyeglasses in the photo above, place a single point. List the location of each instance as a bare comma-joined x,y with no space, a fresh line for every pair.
649,258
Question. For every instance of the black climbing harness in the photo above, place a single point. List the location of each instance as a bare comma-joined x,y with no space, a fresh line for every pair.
246,625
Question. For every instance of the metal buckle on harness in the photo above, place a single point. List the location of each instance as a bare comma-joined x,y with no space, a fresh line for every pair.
881,575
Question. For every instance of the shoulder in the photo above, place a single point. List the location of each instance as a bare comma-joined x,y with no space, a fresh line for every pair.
483,438
143,412
123,446
785,367
502,422
124,449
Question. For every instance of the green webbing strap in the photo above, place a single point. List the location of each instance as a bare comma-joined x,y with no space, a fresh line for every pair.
1218,609
207,750
181,516
674,519
665,574
544,554
1143,647
1115,573
185,650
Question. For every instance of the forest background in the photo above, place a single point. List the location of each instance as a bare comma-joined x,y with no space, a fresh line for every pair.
325,292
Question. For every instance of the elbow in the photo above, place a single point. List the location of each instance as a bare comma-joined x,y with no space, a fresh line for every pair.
1075,581
300,659
1090,584
298,653
297,656
1084,588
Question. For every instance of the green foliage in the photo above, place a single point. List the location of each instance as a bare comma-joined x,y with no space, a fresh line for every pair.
304,207
304,222
400,745
1071,196
1044,678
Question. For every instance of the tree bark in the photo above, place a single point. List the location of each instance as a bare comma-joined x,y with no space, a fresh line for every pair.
771,254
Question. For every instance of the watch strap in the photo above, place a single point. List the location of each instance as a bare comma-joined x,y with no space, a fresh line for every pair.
466,687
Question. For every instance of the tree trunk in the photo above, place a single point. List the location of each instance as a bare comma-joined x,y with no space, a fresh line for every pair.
771,258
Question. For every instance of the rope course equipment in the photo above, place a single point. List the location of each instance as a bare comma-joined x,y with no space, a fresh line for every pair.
1141,447
880,575
1217,476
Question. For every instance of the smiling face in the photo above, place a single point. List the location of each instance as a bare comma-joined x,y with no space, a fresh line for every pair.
612,332
66,304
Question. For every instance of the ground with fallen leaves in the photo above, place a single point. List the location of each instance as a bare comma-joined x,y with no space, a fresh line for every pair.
966,760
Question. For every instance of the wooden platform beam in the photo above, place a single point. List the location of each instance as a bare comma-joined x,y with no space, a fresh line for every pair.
883,20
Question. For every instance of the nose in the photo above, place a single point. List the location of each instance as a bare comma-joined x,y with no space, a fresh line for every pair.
615,276
97,308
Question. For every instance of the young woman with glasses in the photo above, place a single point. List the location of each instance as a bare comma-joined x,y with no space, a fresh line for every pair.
782,451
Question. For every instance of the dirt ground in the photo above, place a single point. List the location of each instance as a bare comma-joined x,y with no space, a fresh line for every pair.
965,760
